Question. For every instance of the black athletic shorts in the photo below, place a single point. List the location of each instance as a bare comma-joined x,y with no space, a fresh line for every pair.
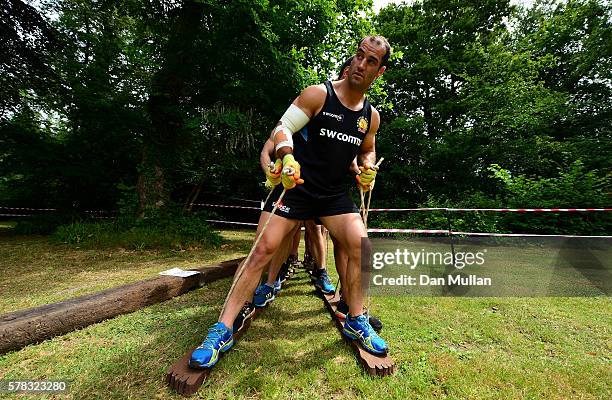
300,204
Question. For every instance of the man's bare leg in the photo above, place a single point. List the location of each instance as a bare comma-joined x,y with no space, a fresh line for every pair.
277,229
296,243
260,224
348,229
341,260
316,239
280,257
324,236
307,251
266,292
316,243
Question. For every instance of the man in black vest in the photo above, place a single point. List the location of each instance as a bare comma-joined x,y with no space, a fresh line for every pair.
317,138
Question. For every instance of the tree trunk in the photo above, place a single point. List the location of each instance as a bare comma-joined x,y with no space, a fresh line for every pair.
151,186
195,196
168,89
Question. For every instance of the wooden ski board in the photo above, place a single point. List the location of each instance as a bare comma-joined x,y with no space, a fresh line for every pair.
373,364
185,380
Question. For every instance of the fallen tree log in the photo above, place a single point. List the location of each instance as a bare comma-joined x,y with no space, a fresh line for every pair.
21,328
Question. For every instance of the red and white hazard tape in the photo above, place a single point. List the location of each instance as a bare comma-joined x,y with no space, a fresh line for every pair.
452,233
239,223
225,206
432,231
439,231
517,210
231,222
30,209
525,235
53,209
249,200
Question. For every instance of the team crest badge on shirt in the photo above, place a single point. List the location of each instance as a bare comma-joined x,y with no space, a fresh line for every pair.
362,125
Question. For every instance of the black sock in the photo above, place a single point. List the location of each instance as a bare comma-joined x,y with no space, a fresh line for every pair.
352,318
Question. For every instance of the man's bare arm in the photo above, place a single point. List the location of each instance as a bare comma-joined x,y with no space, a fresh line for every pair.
310,101
354,168
267,152
368,146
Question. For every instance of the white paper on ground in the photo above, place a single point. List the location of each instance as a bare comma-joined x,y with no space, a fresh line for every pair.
178,272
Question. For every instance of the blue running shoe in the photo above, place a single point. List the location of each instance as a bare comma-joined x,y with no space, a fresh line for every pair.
277,286
359,328
219,340
324,284
263,295
342,310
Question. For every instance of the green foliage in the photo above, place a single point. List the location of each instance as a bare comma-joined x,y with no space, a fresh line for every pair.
456,221
575,187
169,228
43,224
159,97
30,162
127,205
572,187
172,231
468,92
26,45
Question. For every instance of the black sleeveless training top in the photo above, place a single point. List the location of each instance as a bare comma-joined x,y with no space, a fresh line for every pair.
327,145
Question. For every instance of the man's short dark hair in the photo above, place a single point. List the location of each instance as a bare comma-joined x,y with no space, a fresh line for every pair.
380,41
343,67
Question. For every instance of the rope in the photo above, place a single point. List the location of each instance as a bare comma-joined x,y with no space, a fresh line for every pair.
365,209
286,171
246,261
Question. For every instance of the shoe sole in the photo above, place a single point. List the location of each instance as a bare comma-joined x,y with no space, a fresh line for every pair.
212,362
323,291
241,325
245,319
268,301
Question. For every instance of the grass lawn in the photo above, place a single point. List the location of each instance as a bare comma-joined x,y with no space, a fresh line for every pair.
34,272
453,348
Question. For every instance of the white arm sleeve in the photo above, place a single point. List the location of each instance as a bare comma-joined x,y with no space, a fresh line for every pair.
292,121
294,118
